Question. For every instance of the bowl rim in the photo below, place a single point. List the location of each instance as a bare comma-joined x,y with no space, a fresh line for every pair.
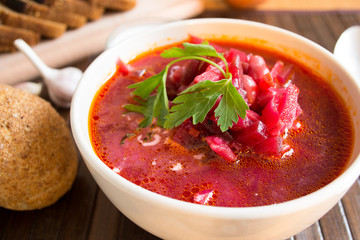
348,175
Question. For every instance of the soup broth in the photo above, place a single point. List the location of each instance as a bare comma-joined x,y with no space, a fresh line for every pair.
179,163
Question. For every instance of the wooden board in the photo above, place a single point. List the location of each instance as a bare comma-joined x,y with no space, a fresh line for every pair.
91,39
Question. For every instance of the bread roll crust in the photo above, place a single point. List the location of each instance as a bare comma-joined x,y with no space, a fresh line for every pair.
38,159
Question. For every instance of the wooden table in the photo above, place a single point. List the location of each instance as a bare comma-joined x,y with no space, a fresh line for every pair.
85,212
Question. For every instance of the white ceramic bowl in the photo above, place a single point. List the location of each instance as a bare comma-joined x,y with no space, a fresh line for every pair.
173,219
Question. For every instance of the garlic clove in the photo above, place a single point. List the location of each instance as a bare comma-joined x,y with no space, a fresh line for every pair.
30,87
61,83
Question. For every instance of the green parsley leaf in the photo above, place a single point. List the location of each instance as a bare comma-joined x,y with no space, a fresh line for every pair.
191,49
196,101
145,88
231,106
146,108
161,105
155,105
126,137
196,51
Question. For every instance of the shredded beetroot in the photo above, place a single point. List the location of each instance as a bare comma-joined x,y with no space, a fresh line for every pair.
284,75
221,147
197,40
270,114
272,146
249,119
252,135
276,69
203,197
122,67
251,89
211,73
236,71
234,53
257,68
291,108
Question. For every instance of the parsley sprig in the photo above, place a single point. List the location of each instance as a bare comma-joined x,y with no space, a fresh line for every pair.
197,100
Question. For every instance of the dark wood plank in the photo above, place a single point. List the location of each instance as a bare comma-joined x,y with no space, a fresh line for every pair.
5,215
289,22
334,224
106,219
357,19
313,232
321,29
19,225
214,14
348,20
253,16
272,19
36,224
335,26
129,230
351,204
305,25
78,213
49,220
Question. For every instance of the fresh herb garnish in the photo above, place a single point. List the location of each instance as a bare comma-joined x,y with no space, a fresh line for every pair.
197,100
126,137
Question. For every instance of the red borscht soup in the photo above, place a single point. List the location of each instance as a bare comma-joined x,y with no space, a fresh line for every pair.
296,136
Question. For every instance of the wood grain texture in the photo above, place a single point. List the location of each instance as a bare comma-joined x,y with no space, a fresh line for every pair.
351,204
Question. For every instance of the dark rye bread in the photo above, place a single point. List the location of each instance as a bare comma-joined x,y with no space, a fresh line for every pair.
49,18
46,28
72,20
84,8
121,5
9,34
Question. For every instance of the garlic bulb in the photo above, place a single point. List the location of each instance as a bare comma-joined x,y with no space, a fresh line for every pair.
61,83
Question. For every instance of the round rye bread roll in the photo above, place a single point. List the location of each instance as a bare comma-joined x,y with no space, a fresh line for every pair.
38,159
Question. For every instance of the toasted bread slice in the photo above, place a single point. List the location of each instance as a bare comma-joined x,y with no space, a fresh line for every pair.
9,34
90,11
44,27
121,5
72,20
